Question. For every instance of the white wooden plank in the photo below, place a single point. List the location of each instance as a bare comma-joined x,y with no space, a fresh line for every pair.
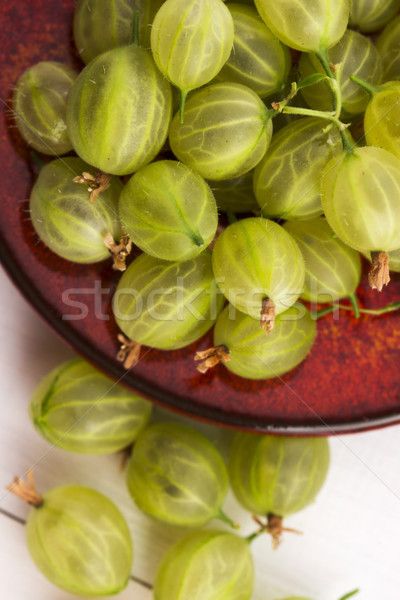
351,534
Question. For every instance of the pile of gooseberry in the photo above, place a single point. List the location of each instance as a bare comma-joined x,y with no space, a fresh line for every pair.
186,109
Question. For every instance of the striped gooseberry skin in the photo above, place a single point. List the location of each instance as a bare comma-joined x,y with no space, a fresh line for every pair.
309,27
394,260
360,193
64,217
254,355
235,194
357,56
100,26
388,46
81,410
258,59
191,40
333,270
39,104
80,541
226,131
371,15
286,181
118,110
169,211
254,259
206,565
278,475
382,118
177,476
167,305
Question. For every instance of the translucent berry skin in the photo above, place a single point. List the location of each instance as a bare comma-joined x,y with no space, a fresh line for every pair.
39,104
254,259
360,194
388,46
394,260
177,476
80,541
235,194
258,59
357,56
118,111
286,181
167,305
371,15
206,565
333,270
382,118
255,355
226,131
278,475
306,27
78,409
100,26
64,217
169,211
191,40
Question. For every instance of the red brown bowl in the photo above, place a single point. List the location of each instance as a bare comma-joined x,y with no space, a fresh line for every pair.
350,381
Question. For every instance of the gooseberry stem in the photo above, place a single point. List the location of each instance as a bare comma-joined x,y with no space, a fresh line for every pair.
356,307
225,519
352,593
135,29
36,159
333,82
368,87
309,112
184,94
376,312
231,216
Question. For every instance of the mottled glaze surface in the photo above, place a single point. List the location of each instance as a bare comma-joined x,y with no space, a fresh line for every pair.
349,382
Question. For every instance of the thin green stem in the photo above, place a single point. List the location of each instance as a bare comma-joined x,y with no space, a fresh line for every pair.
36,159
376,312
250,538
335,89
184,94
225,519
309,112
368,87
231,216
356,307
135,29
352,593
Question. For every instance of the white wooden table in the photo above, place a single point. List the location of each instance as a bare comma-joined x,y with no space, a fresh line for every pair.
351,534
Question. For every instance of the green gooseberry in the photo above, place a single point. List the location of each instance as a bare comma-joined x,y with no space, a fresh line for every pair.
360,195
372,15
206,565
167,305
255,261
226,131
77,538
382,118
100,26
235,194
177,476
356,55
39,105
333,269
277,475
191,42
249,353
394,260
258,59
64,217
388,46
300,27
169,211
79,409
286,181
118,110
